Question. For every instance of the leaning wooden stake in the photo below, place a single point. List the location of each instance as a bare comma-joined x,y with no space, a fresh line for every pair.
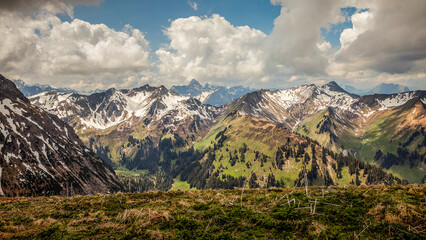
306,181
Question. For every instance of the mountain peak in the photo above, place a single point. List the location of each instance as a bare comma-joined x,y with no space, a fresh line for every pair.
333,86
195,83
388,88
9,89
333,83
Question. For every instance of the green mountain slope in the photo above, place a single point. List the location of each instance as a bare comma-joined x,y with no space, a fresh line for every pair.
394,138
246,150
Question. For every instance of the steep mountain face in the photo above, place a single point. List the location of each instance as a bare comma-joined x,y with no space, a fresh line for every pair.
42,155
211,94
383,88
29,90
125,126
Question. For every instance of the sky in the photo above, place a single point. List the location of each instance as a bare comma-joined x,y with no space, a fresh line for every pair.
94,44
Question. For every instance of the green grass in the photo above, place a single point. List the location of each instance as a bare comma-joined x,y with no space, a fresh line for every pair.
375,212
180,185
210,137
346,177
413,175
257,137
349,141
124,171
308,128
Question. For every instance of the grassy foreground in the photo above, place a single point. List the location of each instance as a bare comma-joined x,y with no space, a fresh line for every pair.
376,212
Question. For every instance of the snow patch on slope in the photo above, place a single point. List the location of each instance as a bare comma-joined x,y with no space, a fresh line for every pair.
203,96
395,100
291,96
5,103
9,156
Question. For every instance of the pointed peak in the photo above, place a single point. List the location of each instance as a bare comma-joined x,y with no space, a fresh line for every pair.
162,90
9,89
194,83
333,86
111,90
333,83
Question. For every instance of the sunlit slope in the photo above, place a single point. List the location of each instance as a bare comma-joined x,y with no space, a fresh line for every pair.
399,131
265,154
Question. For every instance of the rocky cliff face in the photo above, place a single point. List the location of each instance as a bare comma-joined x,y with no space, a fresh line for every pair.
40,155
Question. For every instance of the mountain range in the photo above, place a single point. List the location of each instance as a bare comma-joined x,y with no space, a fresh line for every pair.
383,88
309,134
384,129
41,155
32,89
211,94
262,138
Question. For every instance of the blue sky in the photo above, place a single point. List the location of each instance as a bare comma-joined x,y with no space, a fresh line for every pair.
152,16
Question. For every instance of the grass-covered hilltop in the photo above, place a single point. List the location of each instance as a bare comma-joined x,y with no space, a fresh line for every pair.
373,212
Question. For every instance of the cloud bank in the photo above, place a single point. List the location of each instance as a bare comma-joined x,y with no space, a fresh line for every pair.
211,48
386,43
44,49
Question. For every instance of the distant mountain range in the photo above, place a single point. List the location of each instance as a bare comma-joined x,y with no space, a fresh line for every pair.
41,155
29,90
383,88
211,94
207,94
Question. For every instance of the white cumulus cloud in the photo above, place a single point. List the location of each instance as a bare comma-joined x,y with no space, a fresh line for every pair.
44,49
211,49
295,46
388,38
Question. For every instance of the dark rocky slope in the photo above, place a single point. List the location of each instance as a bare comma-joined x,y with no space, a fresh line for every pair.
41,155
